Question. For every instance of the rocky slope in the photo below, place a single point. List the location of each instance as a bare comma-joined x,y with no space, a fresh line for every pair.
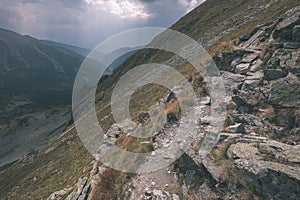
253,123
257,156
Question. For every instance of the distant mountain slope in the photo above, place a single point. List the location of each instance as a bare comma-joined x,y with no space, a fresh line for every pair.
120,60
28,65
79,50
84,52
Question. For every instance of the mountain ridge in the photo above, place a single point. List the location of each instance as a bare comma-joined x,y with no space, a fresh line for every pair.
30,66
79,50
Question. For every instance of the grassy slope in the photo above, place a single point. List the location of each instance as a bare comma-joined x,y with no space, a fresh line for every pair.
70,159
37,176
210,17
195,24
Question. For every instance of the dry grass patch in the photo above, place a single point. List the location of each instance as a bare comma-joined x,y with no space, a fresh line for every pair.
267,113
222,47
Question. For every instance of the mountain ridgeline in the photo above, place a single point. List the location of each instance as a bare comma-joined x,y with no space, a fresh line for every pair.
44,72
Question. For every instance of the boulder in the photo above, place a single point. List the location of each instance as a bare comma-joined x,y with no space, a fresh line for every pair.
236,61
255,76
251,123
273,74
284,118
284,59
79,189
268,168
256,65
278,45
240,52
143,117
249,58
223,62
291,45
296,33
251,84
244,38
175,197
232,81
284,30
59,194
170,97
114,132
242,68
244,102
245,109
286,92
274,62
237,128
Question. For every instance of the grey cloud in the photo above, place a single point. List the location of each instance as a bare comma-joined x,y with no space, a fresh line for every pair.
74,22
147,1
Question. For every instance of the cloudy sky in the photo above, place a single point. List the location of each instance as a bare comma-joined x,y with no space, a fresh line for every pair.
87,22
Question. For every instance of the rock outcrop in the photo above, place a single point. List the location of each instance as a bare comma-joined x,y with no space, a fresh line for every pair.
268,167
258,154
267,103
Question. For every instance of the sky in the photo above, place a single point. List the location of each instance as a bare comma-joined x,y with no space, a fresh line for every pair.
86,23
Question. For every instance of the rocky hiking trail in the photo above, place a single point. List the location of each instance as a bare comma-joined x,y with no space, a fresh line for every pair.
259,148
